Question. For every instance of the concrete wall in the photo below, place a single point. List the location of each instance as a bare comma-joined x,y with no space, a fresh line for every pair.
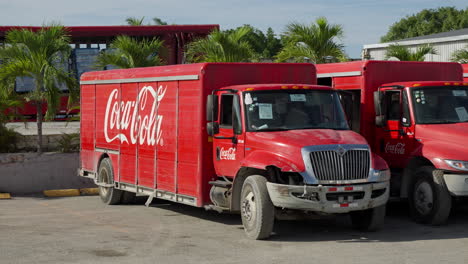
29,173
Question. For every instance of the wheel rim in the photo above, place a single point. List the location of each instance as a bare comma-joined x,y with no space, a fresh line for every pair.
424,198
105,179
248,207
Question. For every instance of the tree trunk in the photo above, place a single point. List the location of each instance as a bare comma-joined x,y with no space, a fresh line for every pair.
39,126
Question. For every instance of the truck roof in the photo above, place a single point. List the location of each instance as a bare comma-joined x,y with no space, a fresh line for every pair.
355,68
277,86
225,73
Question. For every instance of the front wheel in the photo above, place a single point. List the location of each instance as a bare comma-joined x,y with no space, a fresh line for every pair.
429,199
109,195
370,219
257,210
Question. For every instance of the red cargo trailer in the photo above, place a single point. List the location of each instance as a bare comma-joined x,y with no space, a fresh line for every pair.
256,138
413,114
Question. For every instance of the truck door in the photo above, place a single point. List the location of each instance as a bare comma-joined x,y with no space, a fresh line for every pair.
229,141
396,137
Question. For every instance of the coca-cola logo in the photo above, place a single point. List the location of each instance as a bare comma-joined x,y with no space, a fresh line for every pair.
228,154
124,121
398,148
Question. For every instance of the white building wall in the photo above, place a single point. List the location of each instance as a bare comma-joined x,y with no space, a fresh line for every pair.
444,49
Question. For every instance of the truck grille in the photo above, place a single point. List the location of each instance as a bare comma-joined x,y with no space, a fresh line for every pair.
340,165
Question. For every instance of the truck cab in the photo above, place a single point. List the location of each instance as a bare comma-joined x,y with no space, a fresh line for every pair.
287,148
414,116
420,127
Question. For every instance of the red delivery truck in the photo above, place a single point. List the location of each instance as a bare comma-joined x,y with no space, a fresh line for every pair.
414,115
465,72
259,139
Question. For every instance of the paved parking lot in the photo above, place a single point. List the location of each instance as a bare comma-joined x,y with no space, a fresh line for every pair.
83,230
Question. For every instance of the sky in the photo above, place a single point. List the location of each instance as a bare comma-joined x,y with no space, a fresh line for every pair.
364,21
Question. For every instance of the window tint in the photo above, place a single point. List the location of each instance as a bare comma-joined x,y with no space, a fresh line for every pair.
226,110
392,101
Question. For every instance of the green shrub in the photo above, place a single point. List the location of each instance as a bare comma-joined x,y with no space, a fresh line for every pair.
8,139
69,142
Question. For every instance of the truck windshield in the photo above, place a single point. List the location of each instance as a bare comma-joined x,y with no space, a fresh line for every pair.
293,109
440,105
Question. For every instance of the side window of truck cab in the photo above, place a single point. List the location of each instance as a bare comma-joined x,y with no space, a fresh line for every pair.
226,111
393,106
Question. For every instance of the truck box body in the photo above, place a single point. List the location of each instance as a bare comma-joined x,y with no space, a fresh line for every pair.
165,149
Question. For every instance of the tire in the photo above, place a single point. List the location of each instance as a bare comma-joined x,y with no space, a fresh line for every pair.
109,195
257,210
369,220
128,197
429,199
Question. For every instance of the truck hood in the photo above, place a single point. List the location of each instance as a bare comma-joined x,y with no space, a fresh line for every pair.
443,133
283,148
300,138
443,141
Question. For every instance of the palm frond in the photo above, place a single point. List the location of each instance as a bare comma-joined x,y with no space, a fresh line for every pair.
315,41
460,56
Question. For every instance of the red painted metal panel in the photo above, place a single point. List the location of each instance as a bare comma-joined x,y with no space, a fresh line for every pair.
148,122
126,114
166,167
107,95
87,127
465,72
189,148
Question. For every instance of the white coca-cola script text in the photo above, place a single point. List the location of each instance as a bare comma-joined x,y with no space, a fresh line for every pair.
123,119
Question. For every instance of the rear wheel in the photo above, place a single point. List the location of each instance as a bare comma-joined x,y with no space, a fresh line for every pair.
109,195
257,210
128,197
370,219
429,199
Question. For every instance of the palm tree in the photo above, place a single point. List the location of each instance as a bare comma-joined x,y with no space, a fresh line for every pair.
460,56
158,21
133,21
405,54
126,52
222,46
315,42
37,55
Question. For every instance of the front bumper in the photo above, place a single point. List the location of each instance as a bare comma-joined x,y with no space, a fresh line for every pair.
457,184
329,199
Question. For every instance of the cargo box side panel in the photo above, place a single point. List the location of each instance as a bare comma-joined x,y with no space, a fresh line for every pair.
190,134
149,125
221,75
87,127
166,165
107,133
125,115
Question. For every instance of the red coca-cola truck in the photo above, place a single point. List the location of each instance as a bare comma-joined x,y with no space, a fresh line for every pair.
414,115
260,139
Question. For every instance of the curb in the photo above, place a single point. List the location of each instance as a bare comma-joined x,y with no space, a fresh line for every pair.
71,192
5,196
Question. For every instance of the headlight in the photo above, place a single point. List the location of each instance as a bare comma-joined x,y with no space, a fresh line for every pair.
380,175
458,164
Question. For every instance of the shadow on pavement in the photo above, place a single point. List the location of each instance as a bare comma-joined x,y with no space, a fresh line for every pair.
398,226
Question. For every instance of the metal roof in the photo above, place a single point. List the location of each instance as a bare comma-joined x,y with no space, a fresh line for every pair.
452,33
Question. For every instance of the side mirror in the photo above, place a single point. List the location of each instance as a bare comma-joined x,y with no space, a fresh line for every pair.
380,121
378,103
212,107
212,128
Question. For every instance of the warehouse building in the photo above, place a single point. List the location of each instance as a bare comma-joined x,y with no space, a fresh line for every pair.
445,43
